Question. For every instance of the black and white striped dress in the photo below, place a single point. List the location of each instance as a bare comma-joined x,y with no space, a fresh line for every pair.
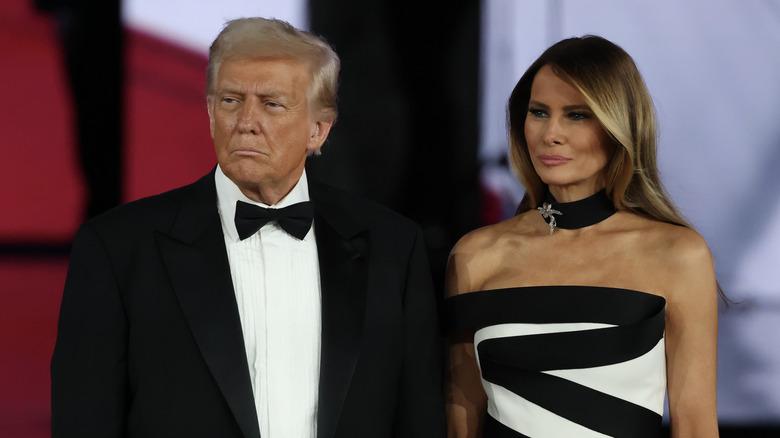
567,361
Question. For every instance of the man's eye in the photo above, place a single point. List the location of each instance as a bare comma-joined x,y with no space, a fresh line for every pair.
229,100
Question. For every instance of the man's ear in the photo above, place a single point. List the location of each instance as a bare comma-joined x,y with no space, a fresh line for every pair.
210,110
319,133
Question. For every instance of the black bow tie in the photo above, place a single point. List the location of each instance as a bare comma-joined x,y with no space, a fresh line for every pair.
294,219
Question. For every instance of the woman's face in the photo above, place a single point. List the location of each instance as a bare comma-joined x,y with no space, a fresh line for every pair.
567,144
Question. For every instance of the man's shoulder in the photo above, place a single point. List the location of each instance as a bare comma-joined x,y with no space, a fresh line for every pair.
158,210
354,202
359,208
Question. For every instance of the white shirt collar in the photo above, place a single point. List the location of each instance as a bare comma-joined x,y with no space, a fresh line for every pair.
228,193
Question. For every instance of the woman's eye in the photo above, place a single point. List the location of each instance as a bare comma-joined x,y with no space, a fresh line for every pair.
537,112
578,116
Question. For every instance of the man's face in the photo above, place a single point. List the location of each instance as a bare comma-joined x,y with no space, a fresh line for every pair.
262,125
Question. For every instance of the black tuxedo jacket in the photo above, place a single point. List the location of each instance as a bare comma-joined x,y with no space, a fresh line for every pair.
150,344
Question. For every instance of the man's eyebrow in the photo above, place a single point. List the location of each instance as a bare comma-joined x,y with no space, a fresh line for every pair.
274,94
230,90
268,93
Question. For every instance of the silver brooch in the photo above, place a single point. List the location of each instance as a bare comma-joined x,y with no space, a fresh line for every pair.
547,212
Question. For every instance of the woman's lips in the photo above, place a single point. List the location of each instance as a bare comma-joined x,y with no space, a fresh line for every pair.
553,160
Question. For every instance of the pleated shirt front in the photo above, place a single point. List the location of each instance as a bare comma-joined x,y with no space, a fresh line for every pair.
277,285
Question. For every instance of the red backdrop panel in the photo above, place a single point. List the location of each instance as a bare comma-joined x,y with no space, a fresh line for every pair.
167,142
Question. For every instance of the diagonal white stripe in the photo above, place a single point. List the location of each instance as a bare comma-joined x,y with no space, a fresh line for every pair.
641,381
530,419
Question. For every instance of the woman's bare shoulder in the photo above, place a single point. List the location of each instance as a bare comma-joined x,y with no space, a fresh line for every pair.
682,255
678,244
477,254
475,242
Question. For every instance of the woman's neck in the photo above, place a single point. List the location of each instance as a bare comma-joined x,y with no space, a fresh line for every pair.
571,193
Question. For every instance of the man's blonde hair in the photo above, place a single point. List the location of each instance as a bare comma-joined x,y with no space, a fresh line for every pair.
247,38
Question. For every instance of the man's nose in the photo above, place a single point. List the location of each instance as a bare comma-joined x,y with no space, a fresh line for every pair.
249,122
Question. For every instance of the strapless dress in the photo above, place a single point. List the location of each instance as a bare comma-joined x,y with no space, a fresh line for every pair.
567,361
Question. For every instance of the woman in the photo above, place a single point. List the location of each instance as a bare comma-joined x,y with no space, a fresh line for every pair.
573,318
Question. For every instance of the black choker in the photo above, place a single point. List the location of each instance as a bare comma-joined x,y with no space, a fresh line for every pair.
577,214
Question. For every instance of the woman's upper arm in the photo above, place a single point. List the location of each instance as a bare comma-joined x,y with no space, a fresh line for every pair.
464,396
691,340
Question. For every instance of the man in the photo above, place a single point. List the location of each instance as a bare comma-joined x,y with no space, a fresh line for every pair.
200,313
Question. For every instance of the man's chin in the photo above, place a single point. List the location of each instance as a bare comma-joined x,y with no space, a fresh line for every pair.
243,172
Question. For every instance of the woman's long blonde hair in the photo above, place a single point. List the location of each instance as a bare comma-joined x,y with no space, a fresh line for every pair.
616,93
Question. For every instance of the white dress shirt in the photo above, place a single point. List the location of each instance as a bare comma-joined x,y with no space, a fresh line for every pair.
276,279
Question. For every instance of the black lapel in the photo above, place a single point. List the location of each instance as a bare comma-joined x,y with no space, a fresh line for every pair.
195,257
342,245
